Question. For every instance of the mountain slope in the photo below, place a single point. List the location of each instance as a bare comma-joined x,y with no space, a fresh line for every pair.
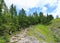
55,28
41,33
49,33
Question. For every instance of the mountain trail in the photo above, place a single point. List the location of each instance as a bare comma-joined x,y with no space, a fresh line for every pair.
19,36
22,37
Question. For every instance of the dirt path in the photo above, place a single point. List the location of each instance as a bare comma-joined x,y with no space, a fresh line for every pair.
22,37
19,36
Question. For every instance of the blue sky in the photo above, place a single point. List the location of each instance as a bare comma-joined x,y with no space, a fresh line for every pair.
30,6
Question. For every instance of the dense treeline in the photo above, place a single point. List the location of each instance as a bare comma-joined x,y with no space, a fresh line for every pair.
11,21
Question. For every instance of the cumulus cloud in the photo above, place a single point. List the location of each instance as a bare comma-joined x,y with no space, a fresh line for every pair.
57,10
27,4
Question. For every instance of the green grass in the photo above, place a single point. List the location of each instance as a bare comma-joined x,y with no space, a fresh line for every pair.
43,30
56,26
56,20
4,39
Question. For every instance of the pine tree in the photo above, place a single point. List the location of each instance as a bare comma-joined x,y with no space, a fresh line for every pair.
15,12
22,18
41,17
12,10
35,16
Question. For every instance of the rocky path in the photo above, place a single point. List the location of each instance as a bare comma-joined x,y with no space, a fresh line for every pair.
18,37
23,38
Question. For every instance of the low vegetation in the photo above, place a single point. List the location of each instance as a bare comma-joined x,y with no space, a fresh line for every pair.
42,33
48,33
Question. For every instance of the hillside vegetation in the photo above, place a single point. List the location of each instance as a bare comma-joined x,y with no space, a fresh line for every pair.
55,28
41,33
47,33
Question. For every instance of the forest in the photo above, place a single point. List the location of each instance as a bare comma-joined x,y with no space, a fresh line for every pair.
11,21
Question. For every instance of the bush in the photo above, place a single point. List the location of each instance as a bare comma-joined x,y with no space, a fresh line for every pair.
2,40
6,38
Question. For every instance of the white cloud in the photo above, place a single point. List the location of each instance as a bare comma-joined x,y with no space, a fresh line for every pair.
57,10
44,10
26,4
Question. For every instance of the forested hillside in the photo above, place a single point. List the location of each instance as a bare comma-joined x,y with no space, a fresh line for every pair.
11,22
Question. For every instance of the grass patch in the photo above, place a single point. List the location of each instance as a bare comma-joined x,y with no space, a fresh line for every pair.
42,30
4,39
